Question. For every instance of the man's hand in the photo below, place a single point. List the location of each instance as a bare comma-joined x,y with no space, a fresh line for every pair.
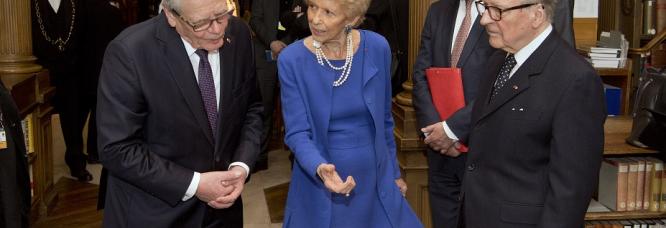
437,139
332,180
213,185
237,184
277,46
402,185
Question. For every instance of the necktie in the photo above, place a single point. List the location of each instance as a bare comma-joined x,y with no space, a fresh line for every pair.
503,76
462,34
207,88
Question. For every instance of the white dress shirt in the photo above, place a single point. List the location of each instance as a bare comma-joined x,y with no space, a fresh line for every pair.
214,60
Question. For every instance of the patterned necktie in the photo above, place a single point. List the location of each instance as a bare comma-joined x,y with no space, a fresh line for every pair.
462,34
207,88
503,76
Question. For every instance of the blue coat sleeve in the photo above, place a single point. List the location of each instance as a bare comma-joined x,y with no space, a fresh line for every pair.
296,114
388,116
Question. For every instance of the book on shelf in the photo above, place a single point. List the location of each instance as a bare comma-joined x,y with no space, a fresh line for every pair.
28,133
647,180
655,184
611,56
605,63
32,181
613,184
613,97
640,183
632,179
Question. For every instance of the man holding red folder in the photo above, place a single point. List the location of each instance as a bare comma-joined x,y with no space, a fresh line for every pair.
451,38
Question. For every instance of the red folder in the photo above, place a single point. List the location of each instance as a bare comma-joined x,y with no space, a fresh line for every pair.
446,90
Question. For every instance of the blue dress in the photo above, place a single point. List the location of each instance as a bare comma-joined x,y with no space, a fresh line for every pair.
351,150
349,126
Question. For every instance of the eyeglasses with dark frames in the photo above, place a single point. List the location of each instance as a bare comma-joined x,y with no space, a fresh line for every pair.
204,24
494,12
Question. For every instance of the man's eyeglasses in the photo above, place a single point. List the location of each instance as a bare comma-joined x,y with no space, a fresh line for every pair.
495,13
204,24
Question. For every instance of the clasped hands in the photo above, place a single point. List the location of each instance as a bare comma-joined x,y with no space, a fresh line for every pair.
334,183
437,139
220,189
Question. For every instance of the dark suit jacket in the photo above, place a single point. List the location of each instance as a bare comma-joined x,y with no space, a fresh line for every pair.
535,151
264,22
153,129
563,20
435,51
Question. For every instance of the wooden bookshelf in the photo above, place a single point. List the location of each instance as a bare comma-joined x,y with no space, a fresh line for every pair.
615,215
33,94
616,130
619,77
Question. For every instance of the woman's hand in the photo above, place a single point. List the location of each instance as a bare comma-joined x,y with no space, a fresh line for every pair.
402,185
332,180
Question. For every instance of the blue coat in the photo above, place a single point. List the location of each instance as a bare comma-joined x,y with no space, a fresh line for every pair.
306,106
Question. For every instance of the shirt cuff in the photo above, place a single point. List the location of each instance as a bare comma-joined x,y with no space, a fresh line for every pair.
448,131
242,165
192,189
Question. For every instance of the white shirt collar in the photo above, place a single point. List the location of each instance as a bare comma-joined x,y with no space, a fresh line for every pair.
525,52
190,50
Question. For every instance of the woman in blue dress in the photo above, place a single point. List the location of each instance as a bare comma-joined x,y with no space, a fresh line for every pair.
336,99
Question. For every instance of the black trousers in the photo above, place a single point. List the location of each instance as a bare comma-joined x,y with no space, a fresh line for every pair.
445,176
268,83
73,102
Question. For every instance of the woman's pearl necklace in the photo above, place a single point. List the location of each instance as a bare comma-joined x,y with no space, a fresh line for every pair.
346,69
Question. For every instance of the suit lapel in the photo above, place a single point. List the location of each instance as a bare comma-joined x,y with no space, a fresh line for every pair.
180,67
227,79
519,82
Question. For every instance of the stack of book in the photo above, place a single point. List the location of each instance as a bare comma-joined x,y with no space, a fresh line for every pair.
602,57
610,52
632,184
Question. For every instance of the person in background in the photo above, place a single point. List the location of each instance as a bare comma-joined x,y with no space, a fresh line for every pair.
268,21
538,127
15,197
451,37
179,118
59,43
336,99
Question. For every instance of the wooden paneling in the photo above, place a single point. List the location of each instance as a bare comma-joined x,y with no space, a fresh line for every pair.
585,31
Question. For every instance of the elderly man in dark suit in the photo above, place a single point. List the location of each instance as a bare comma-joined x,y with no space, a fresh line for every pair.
174,160
537,125
438,49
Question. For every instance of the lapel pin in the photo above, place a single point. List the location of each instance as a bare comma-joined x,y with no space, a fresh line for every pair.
515,87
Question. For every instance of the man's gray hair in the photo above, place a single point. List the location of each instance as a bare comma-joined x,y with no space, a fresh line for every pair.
548,6
172,4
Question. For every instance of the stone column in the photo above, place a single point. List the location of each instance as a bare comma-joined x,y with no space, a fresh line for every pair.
410,147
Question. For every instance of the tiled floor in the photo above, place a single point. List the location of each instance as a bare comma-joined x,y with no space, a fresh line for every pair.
255,213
